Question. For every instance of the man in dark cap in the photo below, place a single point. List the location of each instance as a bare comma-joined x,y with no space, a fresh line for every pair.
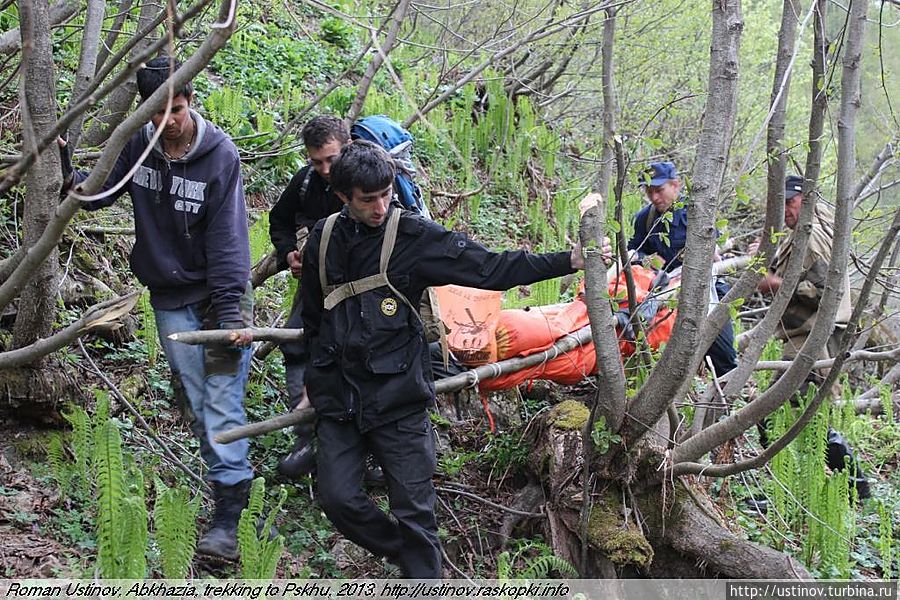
655,233
802,309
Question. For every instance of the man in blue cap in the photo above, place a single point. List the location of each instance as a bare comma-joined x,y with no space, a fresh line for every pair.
655,233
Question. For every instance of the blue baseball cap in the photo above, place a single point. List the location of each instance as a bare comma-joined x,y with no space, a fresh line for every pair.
659,173
793,185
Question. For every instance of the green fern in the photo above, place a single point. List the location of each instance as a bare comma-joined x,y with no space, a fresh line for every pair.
132,563
175,518
148,332
504,565
885,540
538,567
82,444
110,475
63,471
259,554
260,243
541,567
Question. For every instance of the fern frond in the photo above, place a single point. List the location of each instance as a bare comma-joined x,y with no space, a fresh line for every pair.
82,443
542,566
109,481
259,554
148,332
259,238
133,539
60,466
248,540
504,565
175,518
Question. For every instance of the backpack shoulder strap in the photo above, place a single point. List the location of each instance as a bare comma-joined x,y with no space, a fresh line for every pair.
323,248
334,295
651,218
305,185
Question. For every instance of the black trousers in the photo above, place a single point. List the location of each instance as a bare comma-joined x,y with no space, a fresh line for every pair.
722,352
295,357
405,451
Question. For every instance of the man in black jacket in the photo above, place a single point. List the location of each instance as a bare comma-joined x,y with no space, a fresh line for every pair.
307,198
370,377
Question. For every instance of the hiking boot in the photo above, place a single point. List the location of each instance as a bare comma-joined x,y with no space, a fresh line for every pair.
759,505
221,539
300,461
374,476
839,456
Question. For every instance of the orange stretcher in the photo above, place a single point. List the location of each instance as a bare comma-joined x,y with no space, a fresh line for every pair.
481,333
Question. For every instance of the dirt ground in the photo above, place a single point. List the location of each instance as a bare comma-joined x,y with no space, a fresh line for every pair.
26,505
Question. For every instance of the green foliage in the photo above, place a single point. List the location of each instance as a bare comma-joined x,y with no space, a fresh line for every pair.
148,332
772,351
541,566
121,517
885,540
259,554
260,243
337,31
59,464
602,436
810,502
175,522
505,451
451,465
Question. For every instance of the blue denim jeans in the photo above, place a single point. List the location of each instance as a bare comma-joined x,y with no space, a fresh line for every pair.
213,379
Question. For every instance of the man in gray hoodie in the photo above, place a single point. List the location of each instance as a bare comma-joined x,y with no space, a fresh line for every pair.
192,251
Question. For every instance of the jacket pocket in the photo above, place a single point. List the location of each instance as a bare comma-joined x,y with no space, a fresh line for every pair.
323,379
394,355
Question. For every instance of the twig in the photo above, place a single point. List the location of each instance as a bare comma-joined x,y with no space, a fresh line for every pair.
488,502
118,395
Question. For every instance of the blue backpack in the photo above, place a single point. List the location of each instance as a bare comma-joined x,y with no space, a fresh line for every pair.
388,134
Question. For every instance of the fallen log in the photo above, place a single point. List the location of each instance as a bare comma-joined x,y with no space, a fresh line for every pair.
99,315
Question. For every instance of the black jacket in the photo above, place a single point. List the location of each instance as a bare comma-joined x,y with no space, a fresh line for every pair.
293,211
369,359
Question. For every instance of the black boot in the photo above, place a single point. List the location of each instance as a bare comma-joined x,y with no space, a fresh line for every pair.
221,539
301,460
373,476
840,456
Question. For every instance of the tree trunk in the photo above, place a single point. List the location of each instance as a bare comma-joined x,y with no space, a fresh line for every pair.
87,63
638,524
37,305
120,100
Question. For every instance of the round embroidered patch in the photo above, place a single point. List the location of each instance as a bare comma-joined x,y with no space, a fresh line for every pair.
389,307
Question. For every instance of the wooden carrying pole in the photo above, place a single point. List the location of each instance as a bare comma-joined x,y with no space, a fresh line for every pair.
444,386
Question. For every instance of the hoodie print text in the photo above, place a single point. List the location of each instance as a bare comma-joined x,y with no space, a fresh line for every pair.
190,193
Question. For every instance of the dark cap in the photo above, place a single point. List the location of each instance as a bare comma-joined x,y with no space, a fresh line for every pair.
793,185
659,173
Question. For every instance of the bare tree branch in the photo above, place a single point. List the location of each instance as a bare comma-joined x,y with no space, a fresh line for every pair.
377,60
533,36
821,329
70,205
680,359
11,41
119,101
98,315
87,62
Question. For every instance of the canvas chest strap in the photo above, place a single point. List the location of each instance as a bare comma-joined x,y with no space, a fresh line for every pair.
335,294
